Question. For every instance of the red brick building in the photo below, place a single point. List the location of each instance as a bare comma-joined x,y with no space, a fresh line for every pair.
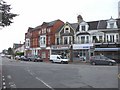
39,39
47,37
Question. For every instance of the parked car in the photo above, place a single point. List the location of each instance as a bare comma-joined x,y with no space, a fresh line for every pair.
35,59
24,58
101,60
17,57
58,59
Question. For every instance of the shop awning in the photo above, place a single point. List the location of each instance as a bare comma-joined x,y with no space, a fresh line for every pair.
107,49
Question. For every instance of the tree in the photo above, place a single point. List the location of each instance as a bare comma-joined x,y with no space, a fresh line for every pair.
5,16
10,51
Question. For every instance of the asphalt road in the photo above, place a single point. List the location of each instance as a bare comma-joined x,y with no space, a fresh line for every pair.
21,74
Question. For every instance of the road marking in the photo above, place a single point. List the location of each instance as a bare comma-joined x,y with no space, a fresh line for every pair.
3,76
4,87
44,83
12,85
9,77
3,79
3,83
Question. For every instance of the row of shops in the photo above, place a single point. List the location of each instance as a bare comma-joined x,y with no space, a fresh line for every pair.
77,51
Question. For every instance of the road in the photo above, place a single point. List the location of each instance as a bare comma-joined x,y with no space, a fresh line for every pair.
21,74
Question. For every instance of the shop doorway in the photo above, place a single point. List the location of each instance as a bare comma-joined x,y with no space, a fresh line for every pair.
84,55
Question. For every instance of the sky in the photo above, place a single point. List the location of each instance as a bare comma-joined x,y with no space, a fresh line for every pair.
33,12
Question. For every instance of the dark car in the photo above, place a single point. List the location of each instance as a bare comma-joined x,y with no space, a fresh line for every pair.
101,60
35,59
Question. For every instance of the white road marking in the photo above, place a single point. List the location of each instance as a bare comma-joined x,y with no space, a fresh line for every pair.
3,76
3,79
44,83
9,77
3,83
4,87
12,85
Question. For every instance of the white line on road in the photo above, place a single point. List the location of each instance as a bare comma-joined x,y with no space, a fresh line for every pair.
44,83
4,87
3,79
9,77
3,83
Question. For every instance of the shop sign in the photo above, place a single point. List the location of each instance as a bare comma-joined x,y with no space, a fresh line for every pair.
82,46
60,47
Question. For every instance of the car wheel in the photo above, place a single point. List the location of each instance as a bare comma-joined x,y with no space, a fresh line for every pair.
110,63
29,60
93,63
52,61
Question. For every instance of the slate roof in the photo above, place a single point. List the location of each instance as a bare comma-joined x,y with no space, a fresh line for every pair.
92,25
118,22
102,24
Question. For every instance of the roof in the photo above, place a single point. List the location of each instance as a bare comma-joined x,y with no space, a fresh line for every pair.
102,24
15,45
92,25
118,22
74,25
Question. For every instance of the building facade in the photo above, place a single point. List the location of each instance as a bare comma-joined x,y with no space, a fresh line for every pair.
75,40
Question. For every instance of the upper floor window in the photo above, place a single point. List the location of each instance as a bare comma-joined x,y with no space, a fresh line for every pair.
48,30
42,40
83,28
48,39
82,39
57,41
111,23
67,39
112,38
66,29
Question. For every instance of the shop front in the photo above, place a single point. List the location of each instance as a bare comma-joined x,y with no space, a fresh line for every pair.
83,51
63,50
109,50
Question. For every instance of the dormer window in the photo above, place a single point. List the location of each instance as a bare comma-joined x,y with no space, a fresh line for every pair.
111,23
83,28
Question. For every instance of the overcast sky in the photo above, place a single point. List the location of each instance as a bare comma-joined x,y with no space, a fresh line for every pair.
33,12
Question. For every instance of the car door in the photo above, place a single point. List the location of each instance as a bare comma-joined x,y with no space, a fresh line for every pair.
104,60
97,60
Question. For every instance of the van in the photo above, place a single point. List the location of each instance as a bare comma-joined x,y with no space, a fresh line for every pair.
58,59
